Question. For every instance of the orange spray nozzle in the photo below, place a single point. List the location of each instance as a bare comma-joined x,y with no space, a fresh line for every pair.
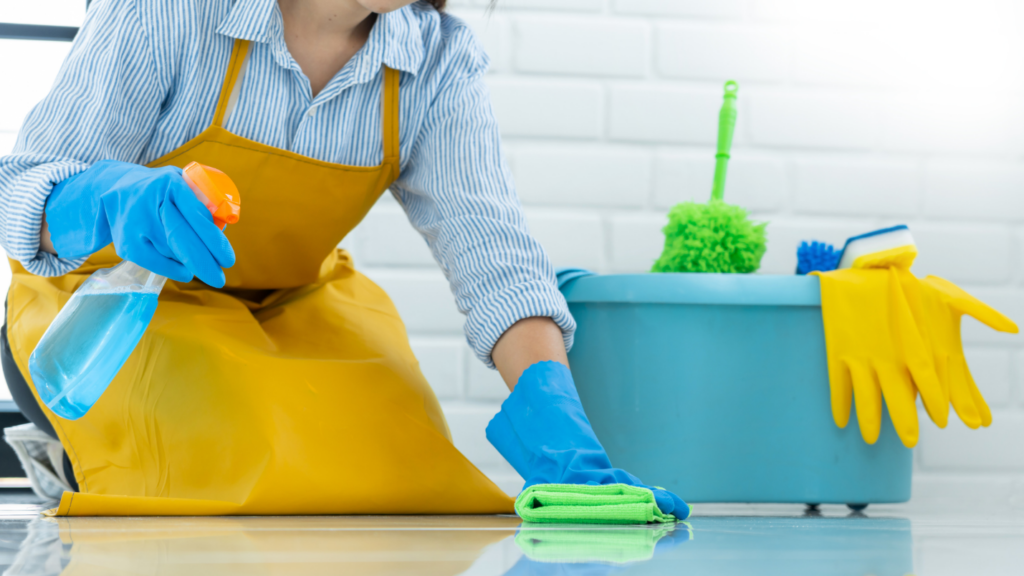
216,191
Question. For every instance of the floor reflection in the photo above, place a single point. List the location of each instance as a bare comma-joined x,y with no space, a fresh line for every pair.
308,545
448,546
856,545
593,551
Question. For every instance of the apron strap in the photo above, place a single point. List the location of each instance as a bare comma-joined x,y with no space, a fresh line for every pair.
390,115
238,54
390,99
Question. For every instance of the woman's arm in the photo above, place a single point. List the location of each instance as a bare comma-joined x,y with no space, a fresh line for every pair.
458,192
527,342
103,105
45,242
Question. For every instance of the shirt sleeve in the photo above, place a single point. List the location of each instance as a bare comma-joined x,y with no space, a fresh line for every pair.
103,105
458,192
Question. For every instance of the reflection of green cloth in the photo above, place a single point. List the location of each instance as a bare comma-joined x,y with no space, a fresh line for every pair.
618,546
586,504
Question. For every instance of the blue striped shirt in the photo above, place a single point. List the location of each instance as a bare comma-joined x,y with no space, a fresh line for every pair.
143,77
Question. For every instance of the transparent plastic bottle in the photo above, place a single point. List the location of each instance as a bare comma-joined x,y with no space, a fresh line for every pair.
94,334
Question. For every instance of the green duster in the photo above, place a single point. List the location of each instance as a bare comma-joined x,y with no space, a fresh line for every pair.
714,237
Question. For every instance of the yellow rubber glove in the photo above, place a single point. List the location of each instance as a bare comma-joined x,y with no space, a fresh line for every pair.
939,305
875,351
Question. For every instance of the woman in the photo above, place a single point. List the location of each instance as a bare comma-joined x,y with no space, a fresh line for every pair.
284,383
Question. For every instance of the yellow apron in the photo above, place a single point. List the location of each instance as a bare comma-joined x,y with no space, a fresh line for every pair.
292,391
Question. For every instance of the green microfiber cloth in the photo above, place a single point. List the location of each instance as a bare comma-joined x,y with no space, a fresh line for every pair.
616,546
586,504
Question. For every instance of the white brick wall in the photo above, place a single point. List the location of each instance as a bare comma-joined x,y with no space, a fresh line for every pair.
699,50
853,185
581,46
642,112
549,108
853,115
580,175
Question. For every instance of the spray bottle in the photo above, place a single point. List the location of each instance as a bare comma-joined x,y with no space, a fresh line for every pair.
93,335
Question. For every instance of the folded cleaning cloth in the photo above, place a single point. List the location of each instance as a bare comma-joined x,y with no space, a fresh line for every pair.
589,504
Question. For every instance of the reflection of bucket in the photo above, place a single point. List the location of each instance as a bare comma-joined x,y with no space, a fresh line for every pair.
716,387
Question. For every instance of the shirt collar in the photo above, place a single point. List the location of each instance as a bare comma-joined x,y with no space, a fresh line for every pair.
401,38
249,20
396,39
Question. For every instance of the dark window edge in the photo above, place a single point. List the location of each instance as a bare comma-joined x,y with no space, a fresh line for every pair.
37,32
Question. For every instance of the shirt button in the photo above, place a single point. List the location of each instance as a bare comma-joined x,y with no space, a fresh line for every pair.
312,112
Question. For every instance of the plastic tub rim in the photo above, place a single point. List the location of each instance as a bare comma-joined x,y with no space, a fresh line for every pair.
696,288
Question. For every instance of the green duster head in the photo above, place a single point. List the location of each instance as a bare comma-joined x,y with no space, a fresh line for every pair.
714,237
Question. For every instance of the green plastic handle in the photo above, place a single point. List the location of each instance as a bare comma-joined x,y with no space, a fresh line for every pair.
726,126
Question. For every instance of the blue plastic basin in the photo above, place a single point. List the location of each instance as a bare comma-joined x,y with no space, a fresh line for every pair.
716,387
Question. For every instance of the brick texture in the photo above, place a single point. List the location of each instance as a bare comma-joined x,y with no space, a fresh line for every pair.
682,8
581,176
971,254
756,182
813,119
703,51
548,108
570,239
423,299
975,190
494,35
636,242
577,46
482,382
560,5
441,361
385,238
957,448
857,186
653,113
992,370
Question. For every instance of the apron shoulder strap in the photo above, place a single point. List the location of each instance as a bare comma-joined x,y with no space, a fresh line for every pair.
238,54
390,99
390,115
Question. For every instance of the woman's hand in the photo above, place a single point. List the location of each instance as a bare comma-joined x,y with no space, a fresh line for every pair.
544,434
541,429
150,214
525,343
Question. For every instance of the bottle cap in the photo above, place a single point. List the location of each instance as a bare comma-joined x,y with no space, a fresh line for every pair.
216,191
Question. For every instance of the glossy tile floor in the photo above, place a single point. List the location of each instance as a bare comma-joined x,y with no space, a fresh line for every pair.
720,540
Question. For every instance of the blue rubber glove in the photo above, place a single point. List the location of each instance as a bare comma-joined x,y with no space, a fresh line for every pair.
150,214
544,434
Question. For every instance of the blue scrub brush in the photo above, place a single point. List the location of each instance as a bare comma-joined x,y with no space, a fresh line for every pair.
816,257
893,246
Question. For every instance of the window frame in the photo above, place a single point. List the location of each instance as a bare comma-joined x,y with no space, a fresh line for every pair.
11,31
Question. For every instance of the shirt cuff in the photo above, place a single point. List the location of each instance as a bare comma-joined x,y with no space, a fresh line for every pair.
25,218
497,312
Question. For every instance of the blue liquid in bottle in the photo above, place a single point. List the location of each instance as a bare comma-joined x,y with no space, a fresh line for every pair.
89,341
